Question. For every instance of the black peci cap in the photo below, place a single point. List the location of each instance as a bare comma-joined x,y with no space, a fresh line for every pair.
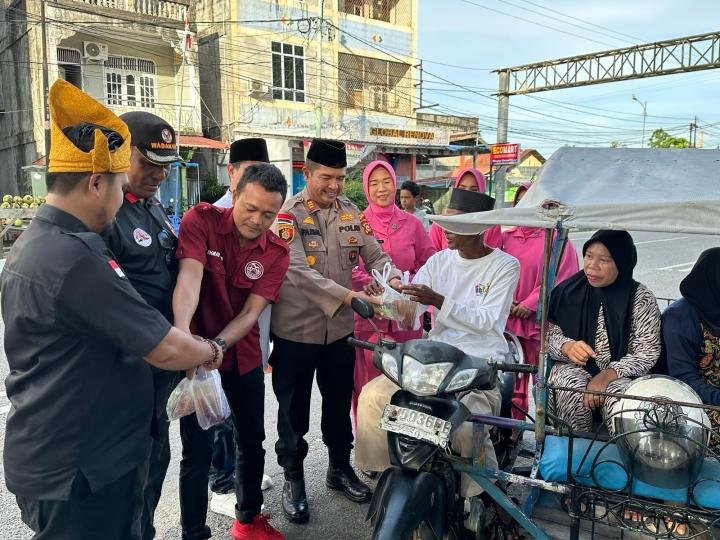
328,152
249,150
153,137
470,201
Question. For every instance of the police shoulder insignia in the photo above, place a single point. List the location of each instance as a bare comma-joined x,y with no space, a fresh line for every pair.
286,227
346,217
365,225
311,205
308,221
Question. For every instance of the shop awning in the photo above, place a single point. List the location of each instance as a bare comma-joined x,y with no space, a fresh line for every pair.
196,141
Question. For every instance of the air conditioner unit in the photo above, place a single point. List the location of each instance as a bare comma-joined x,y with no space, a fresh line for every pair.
95,51
258,90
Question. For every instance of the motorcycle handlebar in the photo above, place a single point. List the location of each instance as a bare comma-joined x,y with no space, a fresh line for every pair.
515,368
361,344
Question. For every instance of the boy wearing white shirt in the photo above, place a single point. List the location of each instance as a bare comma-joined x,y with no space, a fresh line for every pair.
471,288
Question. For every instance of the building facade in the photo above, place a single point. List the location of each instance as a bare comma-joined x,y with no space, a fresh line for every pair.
288,70
128,54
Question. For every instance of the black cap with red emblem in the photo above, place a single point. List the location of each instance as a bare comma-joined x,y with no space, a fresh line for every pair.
153,137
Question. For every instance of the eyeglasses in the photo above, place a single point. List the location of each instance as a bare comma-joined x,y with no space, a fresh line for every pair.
168,242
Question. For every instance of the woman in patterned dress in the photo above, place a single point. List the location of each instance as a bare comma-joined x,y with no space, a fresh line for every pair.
691,335
604,330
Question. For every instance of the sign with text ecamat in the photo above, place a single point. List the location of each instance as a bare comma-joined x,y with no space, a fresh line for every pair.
504,154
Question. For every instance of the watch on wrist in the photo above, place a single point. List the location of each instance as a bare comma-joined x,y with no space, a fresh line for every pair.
221,343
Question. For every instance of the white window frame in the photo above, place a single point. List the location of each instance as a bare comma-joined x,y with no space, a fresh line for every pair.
133,75
284,92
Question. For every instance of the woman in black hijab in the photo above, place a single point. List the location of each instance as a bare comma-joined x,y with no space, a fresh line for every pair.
604,329
691,334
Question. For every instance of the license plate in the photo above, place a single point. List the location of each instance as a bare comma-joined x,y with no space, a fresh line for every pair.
416,424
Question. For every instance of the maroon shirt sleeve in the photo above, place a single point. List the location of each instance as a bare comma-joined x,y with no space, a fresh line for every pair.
268,286
194,231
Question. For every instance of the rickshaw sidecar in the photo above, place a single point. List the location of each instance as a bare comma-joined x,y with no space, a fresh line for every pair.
653,190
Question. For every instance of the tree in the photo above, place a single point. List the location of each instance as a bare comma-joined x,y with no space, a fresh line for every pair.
662,139
353,189
617,144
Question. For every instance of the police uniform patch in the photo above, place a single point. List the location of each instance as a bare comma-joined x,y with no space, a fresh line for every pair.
310,260
353,255
142,238
352,240
365,225
285,218
308,221
311,205
286,231
346,217
312,244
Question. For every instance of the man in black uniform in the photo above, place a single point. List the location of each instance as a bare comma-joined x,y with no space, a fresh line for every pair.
76,333
144,243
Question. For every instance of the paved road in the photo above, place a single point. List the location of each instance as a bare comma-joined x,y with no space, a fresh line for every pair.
663,260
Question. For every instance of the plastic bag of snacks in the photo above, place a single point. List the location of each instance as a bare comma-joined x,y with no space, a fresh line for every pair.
395,305
181,402
211,405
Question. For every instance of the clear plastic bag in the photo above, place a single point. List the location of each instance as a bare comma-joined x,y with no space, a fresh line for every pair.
211,405
181,402
396,306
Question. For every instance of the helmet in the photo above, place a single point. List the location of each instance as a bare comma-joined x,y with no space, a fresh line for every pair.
662,443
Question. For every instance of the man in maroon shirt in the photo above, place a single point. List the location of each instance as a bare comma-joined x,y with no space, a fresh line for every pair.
231,267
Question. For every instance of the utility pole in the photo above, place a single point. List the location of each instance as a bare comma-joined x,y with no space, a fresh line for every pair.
46,81
643,104
693,133
318,72
420,86
501,136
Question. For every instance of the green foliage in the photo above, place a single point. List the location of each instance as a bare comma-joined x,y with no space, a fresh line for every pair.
353,189
617,144
662,139
212,190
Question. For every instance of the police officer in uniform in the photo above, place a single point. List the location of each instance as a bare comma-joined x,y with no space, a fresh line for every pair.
78,339
327,235
144,242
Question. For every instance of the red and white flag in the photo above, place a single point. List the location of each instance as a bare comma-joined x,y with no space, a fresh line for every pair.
115,266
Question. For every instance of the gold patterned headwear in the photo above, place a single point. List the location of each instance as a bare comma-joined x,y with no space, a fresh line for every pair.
70,106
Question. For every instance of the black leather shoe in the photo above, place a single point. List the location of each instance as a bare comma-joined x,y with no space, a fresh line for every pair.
345,480
294,501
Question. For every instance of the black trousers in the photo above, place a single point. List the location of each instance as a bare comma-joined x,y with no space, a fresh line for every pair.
246,395
156,466
110,513
294,365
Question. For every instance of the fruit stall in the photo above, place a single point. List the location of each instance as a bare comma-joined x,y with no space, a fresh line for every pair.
16,212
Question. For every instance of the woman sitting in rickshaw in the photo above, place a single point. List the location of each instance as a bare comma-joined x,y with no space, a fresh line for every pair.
604,330
691,335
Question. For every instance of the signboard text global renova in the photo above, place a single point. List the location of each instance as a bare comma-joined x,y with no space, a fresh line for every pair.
402,133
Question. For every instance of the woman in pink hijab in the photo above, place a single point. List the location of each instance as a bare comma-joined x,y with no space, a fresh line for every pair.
469,179
403,237
526,244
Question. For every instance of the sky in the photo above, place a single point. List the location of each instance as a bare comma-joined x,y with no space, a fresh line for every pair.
477,36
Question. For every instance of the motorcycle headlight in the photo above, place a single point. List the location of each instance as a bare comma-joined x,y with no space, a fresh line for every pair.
390,366
461,379
423,379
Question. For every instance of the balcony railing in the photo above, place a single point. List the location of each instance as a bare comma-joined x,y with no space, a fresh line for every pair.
189,116
165,9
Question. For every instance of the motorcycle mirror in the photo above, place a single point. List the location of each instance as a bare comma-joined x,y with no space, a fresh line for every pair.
362,308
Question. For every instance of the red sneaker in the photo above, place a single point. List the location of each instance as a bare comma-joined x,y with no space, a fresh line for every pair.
259,529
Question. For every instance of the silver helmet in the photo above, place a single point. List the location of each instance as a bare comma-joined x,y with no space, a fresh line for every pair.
662,443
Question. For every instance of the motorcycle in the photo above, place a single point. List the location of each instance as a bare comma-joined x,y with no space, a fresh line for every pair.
418,497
